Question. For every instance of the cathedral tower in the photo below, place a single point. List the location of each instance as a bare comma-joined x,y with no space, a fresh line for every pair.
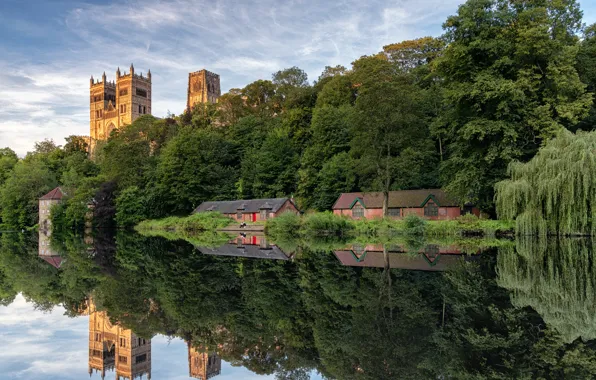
112,347
202,365
116,104
203,87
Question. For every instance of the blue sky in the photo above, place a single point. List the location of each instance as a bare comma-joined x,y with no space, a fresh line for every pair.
51,346
50,48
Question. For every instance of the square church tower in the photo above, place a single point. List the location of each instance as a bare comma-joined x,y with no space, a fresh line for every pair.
116,104
203,87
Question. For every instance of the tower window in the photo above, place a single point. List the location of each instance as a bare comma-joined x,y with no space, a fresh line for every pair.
124,91
141,358
144,109
140,109
123,108
141,92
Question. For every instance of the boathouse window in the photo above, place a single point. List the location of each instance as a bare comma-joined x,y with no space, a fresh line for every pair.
357,211
431,209
239,215
264,214
394,212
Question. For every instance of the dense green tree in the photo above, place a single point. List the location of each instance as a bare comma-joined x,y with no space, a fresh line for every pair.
511,82
389,124
586,67
29,180
8,159
130,208
271,169
196,166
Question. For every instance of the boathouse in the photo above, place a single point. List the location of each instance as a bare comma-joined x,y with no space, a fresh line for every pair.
251,210
433,204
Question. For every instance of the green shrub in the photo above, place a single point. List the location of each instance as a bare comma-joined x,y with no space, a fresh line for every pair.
414,225
285,226
326,223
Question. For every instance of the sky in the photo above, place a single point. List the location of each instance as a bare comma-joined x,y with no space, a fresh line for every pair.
52,346
49,49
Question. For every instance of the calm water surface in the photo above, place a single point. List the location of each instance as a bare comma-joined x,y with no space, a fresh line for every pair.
244,307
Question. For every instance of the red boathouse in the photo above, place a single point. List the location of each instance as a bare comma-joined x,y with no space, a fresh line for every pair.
433,204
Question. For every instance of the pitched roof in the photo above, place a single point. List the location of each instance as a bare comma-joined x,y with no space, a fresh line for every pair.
244,206
55,261
376,259
248,250
53,195
402,198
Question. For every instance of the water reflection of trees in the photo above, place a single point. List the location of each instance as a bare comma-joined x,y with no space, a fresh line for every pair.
290,317
557,278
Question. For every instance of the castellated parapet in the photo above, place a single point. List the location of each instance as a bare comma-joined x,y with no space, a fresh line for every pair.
203,87
117,103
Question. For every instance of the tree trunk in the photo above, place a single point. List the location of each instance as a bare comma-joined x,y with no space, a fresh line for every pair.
387,182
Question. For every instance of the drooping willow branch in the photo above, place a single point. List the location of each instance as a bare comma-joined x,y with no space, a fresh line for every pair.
555,192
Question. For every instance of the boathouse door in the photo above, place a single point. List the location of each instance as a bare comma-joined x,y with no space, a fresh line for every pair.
254,216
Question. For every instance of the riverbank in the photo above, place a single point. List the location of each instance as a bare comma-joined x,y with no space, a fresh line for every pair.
326,223
210,221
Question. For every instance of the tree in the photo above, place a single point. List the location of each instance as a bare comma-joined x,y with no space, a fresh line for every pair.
292,77
8,159
258,96
29,180
271,169
412,54
388,119
586,67
331,134
330,72
45,146
130,208
510,83
196,166
555,191
336,176
76,144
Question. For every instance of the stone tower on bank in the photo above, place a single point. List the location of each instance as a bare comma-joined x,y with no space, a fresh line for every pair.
203,87
116,104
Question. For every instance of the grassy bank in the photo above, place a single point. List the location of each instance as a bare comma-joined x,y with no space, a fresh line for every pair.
288,226
198,239
209,221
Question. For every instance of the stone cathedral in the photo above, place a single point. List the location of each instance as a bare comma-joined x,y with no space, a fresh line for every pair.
118,103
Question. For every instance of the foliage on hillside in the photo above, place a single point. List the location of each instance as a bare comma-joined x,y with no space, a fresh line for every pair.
450,112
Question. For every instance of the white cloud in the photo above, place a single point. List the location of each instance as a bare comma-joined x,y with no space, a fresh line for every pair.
243,41
52,346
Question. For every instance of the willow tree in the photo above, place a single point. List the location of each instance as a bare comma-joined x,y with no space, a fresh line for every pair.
557,279
555,192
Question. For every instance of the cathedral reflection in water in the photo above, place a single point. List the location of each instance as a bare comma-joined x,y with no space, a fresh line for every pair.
113,348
